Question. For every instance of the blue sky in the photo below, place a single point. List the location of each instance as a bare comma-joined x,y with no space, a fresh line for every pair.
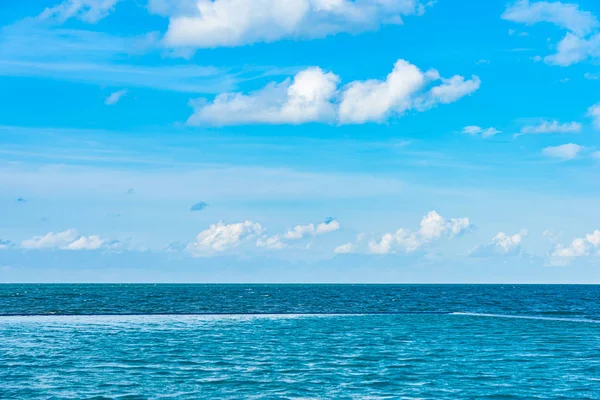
299,141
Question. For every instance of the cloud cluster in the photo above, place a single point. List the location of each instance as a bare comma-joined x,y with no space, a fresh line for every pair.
579,247
485,133
67,240
433,227
228,23
302,231
501,245
90,11
580,42
314,95
221,237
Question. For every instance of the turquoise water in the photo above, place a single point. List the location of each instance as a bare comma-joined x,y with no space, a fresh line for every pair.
443,351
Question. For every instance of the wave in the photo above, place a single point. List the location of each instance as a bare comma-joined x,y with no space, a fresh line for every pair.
291,313
591,321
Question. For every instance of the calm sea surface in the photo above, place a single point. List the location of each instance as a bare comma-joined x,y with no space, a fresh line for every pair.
299,341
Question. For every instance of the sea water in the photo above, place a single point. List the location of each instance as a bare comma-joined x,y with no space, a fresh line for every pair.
299,341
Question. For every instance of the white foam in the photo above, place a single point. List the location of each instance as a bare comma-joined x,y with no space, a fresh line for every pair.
590,321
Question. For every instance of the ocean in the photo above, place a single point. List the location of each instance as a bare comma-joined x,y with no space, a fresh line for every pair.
299,341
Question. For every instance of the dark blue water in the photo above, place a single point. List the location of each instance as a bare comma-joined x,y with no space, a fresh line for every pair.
299,341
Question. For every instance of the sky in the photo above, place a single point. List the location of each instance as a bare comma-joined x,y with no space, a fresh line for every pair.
350,141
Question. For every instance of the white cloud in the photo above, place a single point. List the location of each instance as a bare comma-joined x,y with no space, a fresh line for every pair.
302,231
433,227
221,237
90,11
85,243
591,77
594,113
215,23
579,247
67,240
474,130
313,96
501,245
551,127
306,98
452,89
573,49
5,244
346,248
374,100
272,242
564,15
564,152
115,97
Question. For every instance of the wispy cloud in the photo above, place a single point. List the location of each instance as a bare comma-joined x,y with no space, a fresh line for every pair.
563,152
594,113
485,133
115,97
90,11
550,127
580,42
30,50
565,15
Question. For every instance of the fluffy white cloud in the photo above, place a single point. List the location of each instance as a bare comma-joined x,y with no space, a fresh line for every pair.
474,130
565,15
306,98
594,113
579,247
67,240
433,227
302,231
215,23
220,237
579,43
314,96
552,127
115,97
501,245
90,11
373,100
563,152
